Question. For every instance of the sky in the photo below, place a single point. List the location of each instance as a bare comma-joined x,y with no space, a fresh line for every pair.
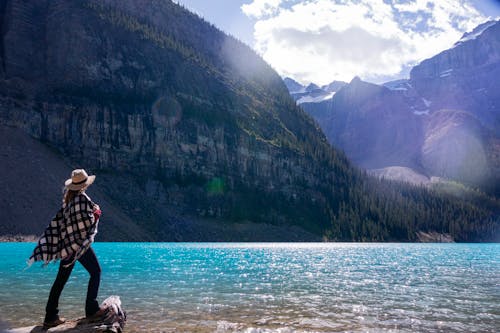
325,40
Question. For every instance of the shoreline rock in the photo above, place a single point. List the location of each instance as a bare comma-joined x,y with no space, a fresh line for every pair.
112,321
434,237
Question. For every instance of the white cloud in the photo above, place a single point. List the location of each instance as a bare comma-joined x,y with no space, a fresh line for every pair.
261,8
322,40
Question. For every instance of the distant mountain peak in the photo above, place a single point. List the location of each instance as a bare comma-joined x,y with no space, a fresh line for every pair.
355,79
334,86
357,83
295,87
312,87
476,32
290,80
292,85
312,93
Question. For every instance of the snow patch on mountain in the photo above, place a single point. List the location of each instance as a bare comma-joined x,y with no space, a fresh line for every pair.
312,93
316,99
398,85
421,112
446,73
476,32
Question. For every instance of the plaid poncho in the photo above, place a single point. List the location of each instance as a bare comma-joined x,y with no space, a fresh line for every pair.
69,234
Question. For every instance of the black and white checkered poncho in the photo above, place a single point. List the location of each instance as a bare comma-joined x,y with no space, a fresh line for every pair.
69,234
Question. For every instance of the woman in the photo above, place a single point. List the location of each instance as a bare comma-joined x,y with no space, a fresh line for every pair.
68,238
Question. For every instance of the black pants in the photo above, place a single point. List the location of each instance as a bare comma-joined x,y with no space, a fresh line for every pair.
89,261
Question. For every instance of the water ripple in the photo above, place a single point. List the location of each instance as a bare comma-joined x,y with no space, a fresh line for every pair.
275,287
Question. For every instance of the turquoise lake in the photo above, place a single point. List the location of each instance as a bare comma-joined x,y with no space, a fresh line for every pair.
272,287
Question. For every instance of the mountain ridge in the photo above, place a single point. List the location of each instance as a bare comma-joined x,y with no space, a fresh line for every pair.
456,85
312,93
168,120
190,132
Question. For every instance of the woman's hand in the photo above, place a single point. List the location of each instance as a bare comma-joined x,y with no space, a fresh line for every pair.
97,212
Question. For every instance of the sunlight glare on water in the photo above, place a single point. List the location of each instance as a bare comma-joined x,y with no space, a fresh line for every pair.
273,287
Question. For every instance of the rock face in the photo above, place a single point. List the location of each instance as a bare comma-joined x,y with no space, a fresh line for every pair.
372,132
177,118
32,179
462,91
465,77
444,121
401,174
434,237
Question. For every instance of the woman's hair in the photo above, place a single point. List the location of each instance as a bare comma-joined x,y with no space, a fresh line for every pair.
71,194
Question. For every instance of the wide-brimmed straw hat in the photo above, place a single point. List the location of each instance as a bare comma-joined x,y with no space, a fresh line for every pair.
79,180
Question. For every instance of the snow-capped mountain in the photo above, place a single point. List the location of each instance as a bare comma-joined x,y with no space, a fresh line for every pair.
443,121
334,86
476,32
312,93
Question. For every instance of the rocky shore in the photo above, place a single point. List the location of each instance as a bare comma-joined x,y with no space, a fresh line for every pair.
112,321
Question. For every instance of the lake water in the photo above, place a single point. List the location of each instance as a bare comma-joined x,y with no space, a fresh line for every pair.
273,287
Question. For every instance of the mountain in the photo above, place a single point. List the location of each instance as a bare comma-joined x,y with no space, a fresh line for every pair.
370,123
312,88
312,93
181,122
443,121
465,76
293,86
191,134
334,86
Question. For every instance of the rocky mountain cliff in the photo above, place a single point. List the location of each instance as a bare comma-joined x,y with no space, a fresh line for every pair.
173,114
191,134
373,132
32,176
444,121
